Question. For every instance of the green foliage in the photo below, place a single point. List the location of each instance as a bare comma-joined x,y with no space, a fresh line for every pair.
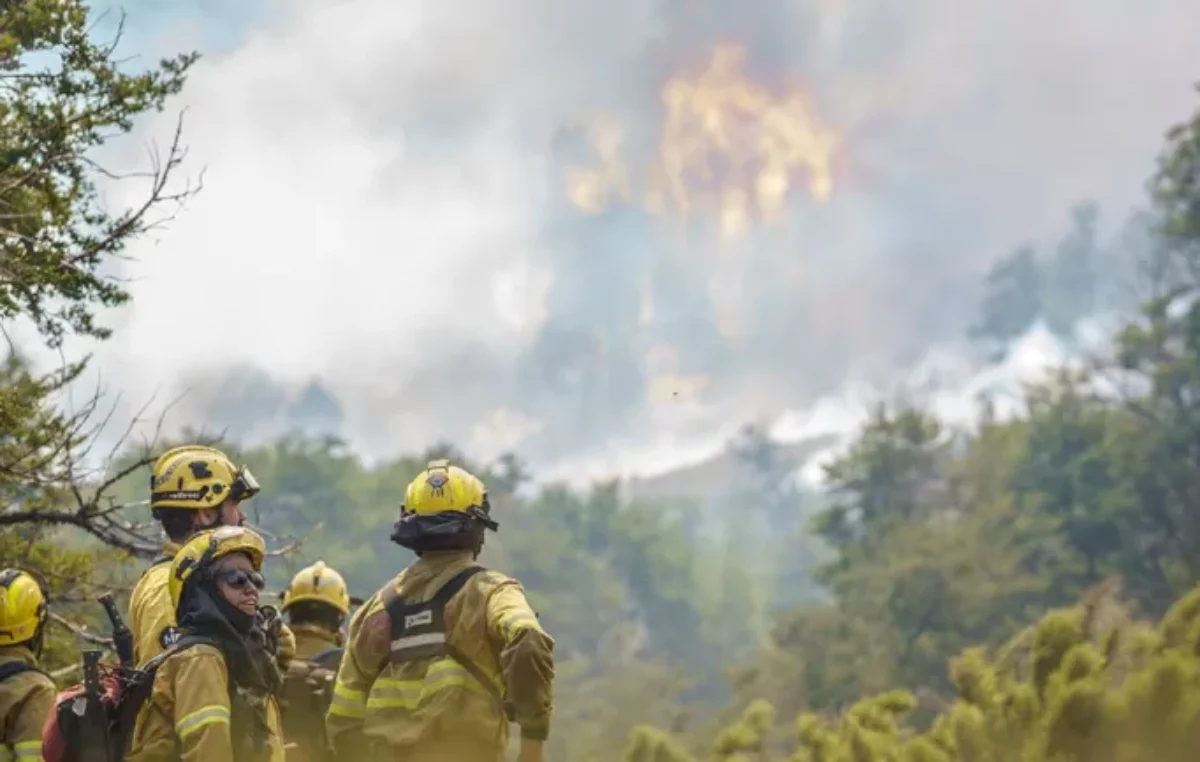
44,500
75,576
648,744
61,96
33,434
1080,686
1176,186
1059,289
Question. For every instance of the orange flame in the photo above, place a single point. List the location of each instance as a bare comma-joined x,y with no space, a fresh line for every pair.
728,146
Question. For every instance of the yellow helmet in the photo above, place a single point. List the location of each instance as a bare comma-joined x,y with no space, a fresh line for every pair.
209,546
443,488
22,607
445,508
321,584
195,477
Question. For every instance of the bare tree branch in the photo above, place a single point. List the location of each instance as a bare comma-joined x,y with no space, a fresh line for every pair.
80,631
70,669
46,468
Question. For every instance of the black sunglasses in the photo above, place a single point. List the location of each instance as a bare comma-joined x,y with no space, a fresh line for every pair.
238,579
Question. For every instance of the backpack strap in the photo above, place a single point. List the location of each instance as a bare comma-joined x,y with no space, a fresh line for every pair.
506,707
13,668
418,631
182,644
329,659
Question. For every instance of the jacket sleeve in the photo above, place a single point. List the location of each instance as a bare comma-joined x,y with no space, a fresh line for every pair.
287,647
201,719
365,657
526,658
29,717
150,612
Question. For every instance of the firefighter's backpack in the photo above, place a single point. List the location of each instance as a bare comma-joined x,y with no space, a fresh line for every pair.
307,694
74,728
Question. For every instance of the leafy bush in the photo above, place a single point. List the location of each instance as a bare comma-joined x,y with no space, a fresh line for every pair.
1085,684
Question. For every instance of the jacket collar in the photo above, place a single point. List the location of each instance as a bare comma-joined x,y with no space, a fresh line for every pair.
20,652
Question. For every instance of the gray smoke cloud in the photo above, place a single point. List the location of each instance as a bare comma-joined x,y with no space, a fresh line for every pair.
385,211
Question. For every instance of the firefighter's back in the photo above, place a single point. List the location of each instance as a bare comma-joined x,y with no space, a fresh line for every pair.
441,659
428,708
26,699
26,694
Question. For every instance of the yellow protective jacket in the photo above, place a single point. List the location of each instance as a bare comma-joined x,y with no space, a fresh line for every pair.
26,699
150,609
151,614
312,640
190,717
434,709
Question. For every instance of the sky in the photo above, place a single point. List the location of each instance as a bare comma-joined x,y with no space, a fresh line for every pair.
400,202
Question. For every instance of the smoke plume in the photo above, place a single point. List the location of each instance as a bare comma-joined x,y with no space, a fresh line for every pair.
572,228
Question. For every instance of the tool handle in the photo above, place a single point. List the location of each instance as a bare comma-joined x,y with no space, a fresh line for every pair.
122,637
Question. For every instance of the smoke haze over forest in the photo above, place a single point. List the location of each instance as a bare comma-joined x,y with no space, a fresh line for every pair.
468,224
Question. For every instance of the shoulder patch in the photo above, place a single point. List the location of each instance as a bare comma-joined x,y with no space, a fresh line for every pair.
416,620
169,636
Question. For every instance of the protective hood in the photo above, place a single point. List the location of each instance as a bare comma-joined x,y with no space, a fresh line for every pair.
450,530
204,611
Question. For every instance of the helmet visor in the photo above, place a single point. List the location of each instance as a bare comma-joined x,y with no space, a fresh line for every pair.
244,486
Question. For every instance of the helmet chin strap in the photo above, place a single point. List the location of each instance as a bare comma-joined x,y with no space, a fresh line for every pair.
38,642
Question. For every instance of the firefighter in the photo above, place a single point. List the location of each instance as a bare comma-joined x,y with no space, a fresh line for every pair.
27,695
192,488
215,689
316,604
441,659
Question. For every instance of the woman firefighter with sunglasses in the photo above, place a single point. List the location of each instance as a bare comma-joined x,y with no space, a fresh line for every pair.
192,488
27,695
215,689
